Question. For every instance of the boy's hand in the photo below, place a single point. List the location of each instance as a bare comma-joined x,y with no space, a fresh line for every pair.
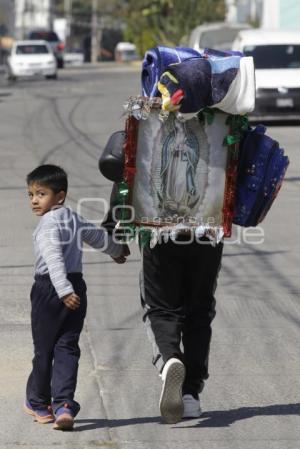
72,301
123,256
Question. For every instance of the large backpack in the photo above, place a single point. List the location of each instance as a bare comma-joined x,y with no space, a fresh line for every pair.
261,169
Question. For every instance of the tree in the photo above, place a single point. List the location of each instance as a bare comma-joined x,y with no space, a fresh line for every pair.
80,17
166,21
148,22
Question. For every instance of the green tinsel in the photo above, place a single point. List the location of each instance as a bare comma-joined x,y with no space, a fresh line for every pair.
206,115
144,237
238,124
126,231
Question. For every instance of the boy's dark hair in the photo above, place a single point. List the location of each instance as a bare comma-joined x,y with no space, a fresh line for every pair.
50,176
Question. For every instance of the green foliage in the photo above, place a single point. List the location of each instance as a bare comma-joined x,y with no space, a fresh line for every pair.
143,40
80,8
165,21
151,22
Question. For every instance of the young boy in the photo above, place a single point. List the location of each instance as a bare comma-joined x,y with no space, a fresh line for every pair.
58,296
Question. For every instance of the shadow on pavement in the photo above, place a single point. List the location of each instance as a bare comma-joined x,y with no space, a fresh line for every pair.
227,417
90,424
208,419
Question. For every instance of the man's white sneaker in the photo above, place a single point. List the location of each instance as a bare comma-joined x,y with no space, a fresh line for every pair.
192,407
170,404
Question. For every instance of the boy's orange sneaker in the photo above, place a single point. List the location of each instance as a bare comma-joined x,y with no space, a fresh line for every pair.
42,416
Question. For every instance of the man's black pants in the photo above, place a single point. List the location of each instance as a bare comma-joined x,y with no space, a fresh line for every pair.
178,283
55,331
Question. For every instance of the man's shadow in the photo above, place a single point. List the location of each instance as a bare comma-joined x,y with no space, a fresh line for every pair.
90,424
225,418
214,418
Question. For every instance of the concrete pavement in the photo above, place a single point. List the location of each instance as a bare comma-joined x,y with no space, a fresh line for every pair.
251,400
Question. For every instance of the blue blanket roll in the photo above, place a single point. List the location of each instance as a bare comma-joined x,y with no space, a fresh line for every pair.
204,81
156,61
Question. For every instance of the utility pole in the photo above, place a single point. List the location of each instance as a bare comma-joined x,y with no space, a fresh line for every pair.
50,14
94,32
253,11
68,16
231,15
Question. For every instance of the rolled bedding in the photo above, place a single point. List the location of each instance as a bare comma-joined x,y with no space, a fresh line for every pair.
156,61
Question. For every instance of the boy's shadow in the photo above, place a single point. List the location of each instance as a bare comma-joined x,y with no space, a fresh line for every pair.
213,418
227,417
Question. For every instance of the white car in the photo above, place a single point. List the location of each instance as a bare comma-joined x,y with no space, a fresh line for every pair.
276,55
30,58
216,35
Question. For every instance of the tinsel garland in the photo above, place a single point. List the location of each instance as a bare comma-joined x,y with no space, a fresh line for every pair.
206,115
130,147
126,229
237,125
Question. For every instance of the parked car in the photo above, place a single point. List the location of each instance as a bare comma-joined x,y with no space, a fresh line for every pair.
216,35
30,58
52,38
74,57
125,52
277,71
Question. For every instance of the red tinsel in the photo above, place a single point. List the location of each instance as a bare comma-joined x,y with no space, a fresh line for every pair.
230,188
130,148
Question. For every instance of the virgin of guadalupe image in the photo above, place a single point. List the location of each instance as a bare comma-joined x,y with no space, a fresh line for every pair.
180,154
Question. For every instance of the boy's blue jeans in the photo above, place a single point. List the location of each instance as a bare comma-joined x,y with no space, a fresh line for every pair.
55,332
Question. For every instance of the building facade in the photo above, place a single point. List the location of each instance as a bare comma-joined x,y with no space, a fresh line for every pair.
281,14
30,14
6,17
244,11
270,14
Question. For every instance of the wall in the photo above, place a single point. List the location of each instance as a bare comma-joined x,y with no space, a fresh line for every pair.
281,14
31,14
289,14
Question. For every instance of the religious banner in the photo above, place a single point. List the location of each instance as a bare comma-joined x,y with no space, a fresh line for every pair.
177,170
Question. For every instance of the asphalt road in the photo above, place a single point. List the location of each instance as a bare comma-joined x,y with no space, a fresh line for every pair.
251,400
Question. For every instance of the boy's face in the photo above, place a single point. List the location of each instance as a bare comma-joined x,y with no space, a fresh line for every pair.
42,198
